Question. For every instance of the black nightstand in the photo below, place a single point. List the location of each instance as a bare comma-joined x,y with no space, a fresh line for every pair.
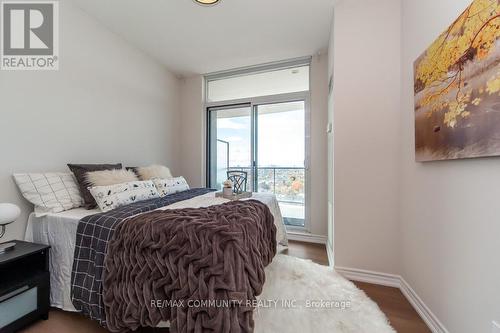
24,286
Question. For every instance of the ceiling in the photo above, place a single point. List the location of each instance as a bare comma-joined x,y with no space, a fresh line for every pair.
192,39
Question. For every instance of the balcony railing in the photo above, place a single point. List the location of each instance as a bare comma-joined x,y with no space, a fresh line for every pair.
287,183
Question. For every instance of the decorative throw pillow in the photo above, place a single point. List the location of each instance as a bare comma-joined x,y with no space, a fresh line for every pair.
154,171
134,170
80,172
114,196
111,177
171,185
49,192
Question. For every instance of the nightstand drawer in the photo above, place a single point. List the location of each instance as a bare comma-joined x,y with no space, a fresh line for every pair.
18,304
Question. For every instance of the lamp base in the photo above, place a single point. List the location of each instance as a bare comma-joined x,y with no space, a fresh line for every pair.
7,247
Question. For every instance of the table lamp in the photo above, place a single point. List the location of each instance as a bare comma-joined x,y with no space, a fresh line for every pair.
8,213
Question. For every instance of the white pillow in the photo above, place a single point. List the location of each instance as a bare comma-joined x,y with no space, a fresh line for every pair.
49,192
171,185
154,171
114,196
111,177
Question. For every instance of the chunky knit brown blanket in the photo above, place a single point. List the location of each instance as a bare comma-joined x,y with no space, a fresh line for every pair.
199,268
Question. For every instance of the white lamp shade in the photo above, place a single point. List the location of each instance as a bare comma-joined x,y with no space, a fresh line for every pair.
8,213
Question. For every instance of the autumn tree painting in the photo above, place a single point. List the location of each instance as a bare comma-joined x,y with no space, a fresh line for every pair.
457,88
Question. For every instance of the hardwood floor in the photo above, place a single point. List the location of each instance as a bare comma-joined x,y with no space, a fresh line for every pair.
391,301
60,321
396,307
314,252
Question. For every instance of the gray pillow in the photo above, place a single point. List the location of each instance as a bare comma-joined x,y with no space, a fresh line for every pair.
80,172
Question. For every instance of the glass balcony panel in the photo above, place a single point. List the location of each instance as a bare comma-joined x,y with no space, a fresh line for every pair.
288,184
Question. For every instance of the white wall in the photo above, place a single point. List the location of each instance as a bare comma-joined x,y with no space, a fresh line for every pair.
107,103
366,134
193,128
434,223
449,210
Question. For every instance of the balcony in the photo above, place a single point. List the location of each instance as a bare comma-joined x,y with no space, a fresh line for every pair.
287,183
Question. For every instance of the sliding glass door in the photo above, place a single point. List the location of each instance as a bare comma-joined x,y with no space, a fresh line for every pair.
230,144
268,141
280,132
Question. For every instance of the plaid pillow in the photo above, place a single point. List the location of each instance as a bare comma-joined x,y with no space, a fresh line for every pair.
49,192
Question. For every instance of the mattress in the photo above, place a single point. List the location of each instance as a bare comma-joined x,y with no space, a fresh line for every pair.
59,231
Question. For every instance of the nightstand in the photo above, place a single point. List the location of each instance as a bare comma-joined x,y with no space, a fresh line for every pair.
24,286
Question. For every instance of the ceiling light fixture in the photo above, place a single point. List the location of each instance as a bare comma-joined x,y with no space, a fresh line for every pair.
207,2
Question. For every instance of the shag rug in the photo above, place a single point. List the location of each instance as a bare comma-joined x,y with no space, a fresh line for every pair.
300,296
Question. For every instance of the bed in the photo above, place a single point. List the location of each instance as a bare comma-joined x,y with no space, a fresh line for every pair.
59,231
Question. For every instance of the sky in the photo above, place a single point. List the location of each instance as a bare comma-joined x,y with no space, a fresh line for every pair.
281,140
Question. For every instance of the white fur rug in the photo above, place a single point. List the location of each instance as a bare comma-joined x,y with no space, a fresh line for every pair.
288,278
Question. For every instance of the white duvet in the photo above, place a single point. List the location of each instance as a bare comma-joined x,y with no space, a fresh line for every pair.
59,231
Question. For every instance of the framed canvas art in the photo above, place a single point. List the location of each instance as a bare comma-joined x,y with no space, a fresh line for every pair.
457,88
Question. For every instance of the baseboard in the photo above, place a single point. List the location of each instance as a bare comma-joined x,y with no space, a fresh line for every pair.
361,275
396,281
305,237
430,319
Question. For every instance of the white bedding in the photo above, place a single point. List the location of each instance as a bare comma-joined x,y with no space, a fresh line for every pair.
59,231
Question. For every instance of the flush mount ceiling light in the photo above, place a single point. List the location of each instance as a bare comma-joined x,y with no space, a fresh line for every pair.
207,2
